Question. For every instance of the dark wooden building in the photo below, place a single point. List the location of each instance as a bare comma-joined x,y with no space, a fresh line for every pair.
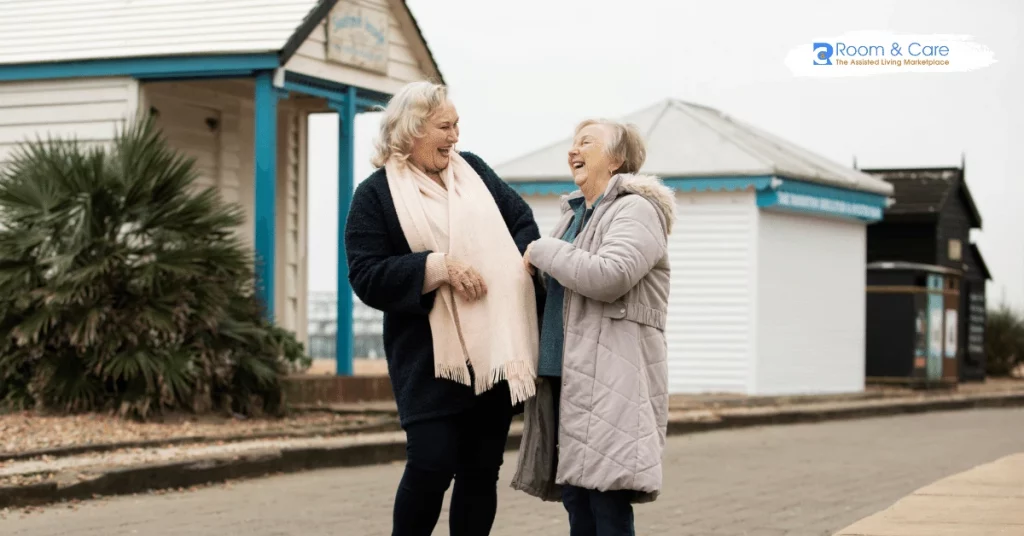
930,223
975,278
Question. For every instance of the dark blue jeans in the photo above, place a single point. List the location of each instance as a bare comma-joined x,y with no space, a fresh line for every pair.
592,512
598,513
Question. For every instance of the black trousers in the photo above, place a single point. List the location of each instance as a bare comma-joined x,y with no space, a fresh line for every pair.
469,448
592,512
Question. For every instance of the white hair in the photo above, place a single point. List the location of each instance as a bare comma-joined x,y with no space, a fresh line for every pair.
626,143
403,119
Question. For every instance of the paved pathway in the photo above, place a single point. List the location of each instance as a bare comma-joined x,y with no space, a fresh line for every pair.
985,501
784,480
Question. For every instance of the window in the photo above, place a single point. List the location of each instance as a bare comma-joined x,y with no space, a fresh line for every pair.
955,249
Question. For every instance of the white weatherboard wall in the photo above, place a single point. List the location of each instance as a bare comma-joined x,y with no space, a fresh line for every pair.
89,109
712,251
224,157
711,313
762,302
810,305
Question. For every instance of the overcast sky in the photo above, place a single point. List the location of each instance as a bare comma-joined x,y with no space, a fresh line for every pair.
523,73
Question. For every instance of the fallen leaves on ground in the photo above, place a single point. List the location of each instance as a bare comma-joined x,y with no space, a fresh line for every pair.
29,431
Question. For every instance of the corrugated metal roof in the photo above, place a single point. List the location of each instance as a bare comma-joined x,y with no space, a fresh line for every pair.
37,31
690,140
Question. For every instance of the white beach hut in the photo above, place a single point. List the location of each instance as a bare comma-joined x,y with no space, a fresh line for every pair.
231,82
768,255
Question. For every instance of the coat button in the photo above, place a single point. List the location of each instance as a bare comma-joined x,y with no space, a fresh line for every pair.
623,311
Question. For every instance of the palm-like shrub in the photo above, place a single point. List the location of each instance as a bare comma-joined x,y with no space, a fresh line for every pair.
124,287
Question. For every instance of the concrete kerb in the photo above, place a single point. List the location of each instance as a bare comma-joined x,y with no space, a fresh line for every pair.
843,412
143,478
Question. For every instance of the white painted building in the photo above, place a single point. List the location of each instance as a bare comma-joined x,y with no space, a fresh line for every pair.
231,83
768,255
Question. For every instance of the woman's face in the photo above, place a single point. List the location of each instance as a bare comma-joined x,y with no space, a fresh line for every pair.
588,158
432,152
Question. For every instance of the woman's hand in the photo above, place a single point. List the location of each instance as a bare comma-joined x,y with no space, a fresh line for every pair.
526,259
465,280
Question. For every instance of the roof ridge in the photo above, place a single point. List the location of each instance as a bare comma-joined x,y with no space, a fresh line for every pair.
657,120
786,146
683,107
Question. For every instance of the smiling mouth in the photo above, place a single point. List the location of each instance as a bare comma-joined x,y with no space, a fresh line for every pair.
445,151
577,165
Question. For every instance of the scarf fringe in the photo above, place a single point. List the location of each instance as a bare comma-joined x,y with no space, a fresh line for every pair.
454,372
519,375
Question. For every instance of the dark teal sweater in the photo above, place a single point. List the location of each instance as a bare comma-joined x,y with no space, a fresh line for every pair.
552,330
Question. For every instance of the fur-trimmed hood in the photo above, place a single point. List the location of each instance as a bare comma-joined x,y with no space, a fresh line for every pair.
649,187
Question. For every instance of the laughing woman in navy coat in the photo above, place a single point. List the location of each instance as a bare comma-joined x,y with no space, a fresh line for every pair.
435,239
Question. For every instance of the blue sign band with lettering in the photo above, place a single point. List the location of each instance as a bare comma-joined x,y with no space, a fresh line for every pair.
824,200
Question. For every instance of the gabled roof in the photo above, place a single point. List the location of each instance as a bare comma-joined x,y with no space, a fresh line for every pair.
37,31
45,31
975,253
690,140
925,191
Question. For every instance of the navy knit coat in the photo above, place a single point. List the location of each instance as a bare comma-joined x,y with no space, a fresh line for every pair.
386,275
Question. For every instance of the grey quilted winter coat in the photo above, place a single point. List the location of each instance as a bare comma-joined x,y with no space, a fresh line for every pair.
614,403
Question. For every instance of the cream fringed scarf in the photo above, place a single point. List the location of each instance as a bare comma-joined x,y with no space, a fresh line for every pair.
497,335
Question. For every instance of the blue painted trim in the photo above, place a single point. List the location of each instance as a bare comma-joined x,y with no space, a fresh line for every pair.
337,95
807,198
682,184
334,97
361,106
809,188
344,346
543,188
192,75
265,186
773,193
144,68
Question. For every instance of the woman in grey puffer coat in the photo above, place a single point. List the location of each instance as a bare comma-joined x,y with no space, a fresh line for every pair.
595,432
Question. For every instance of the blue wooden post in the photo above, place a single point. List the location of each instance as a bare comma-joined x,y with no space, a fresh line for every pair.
265,153
344,347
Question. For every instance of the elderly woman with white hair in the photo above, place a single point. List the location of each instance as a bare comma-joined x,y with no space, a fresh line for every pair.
595,433
434,239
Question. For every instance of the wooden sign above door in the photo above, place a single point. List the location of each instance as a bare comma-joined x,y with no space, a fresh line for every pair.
358,36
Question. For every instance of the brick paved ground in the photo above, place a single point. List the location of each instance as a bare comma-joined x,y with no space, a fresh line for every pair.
784,480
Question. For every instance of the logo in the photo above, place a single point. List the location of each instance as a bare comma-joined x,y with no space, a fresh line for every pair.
877,53
823,54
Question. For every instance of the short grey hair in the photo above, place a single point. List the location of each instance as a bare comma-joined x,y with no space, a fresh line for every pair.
404,117
626,143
